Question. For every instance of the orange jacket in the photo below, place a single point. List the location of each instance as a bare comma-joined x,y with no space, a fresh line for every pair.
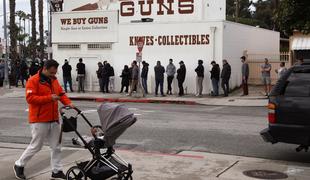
39,92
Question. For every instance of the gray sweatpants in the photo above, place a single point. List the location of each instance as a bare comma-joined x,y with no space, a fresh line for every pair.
39,132
199,85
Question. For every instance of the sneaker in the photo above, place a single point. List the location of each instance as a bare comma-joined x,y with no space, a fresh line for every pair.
58,175
19,172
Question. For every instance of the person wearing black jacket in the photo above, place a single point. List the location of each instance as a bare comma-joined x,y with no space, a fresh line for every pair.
144,73
159,78
181,74
215,78
125,79
66,74
105,77
34,68
199,78
23,72
111,78
99,75
225,76
80,68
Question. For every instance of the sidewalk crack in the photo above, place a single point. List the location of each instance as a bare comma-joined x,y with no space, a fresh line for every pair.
225,170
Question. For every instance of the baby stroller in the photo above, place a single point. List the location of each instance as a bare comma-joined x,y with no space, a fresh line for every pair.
105,163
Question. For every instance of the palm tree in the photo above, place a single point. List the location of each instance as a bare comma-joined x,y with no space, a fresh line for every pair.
21,33
33,29
41,30
28,17
13,34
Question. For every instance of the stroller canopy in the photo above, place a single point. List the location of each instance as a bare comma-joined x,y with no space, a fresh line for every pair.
114,119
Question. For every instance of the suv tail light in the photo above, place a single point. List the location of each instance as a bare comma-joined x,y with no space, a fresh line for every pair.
272,113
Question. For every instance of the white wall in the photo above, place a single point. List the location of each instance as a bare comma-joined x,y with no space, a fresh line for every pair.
124,54
202,9
239,38
231,40
90,58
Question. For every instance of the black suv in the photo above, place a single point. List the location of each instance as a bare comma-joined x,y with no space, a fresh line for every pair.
289,109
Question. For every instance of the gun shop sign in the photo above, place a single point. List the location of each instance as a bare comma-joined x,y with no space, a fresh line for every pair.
85,26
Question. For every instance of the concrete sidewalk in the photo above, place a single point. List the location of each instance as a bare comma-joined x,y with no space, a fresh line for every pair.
186,165
254,99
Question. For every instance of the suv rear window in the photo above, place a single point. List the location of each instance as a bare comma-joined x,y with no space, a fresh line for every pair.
295,83
298,85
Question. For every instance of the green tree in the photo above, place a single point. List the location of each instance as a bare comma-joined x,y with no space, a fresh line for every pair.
21,33
264,12
41,29
293,15
33,47
238,8
13,34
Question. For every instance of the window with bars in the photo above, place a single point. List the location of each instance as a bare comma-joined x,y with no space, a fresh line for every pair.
100,46
68,46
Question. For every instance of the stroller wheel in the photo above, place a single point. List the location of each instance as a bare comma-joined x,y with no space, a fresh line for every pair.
75,173
123,176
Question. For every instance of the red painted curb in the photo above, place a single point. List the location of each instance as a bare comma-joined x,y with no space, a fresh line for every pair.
133,100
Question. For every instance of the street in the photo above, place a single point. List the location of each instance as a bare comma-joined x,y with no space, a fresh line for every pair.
168,128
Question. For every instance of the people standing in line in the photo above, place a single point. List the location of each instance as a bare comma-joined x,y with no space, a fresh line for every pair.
125,79
105,77
34,68
43,92
199,78
111,78
80,67
2,66
181,74
99,75
170,70
134,77
245,71
215,78
281,71
144,74
266,79
159,78
225,76
23,72
66,74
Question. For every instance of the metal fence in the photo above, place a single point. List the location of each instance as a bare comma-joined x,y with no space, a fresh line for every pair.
256,60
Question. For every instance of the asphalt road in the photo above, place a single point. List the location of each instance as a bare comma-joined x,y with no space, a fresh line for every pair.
169,128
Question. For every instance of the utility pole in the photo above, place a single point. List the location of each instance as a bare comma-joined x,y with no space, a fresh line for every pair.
6,82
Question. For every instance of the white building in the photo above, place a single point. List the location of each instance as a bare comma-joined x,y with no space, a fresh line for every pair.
185,30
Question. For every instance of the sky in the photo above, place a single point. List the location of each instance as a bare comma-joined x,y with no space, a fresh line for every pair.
23,5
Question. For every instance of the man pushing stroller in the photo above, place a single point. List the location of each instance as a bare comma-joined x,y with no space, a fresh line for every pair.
43,92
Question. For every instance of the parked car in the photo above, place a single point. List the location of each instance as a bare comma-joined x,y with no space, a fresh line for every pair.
289,109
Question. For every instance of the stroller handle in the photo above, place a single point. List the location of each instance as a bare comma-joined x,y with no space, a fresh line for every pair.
79,113
61,110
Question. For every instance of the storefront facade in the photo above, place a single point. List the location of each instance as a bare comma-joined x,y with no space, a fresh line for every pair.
185,30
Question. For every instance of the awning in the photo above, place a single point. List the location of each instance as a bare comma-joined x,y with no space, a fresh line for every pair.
301,43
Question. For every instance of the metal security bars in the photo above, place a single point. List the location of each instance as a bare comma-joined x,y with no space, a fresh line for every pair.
69,46
103,46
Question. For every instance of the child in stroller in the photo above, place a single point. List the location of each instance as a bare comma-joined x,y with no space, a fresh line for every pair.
105,163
